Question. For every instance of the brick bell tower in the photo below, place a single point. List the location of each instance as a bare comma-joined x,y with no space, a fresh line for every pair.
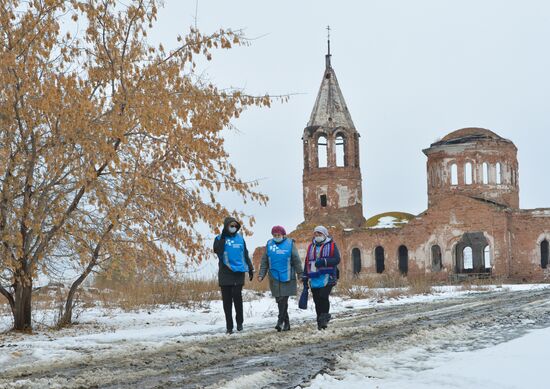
332,177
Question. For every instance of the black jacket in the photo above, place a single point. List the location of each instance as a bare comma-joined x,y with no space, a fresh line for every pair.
227,277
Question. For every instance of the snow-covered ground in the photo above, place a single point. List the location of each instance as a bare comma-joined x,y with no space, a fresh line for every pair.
422,365
519,363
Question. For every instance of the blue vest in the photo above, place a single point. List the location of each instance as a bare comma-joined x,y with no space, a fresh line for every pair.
279,259
233,254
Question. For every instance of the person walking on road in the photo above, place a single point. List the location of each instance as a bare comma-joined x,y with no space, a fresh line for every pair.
233,263
321,270
282,262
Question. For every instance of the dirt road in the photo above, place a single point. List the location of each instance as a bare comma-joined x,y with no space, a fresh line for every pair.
294,358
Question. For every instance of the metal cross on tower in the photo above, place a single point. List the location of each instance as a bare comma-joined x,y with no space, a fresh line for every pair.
328,39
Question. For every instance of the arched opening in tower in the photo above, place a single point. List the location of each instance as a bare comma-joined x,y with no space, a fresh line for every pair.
356,258
379,259
403,254
544,254
436,258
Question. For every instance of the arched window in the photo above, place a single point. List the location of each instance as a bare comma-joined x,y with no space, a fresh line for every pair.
403,253
498,173
454,174
544,254
468,258
356,258
468,173
485,173
379,259
436,258
487,257
340,151
322,160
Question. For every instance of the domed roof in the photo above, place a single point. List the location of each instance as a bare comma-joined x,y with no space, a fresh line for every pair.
470,134
389,220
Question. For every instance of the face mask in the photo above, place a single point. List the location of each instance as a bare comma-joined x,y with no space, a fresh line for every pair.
278,240
232,230
320,239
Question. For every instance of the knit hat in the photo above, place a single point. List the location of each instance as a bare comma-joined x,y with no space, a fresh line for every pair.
322,229
278,230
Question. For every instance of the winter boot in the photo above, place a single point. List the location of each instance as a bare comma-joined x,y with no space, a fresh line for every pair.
286,326
240,327
279,325
322,322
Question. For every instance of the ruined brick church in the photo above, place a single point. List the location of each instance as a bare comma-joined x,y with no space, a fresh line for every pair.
473,223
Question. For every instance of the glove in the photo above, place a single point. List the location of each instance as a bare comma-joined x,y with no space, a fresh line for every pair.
251,275
321,262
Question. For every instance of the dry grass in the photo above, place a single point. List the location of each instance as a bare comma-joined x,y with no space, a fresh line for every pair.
479,285
384,286
139,294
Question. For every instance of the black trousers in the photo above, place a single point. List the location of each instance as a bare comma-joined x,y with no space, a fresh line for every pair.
320,298
282,304
232,295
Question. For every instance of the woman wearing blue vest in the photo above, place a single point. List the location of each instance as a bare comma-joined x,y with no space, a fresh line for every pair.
233,263
321,270
282,261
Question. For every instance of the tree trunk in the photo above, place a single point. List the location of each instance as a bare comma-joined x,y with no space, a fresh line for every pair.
22,306
67,317
8,296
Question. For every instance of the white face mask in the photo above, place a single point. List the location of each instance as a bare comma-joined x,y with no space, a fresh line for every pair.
232,230
320,239
278,240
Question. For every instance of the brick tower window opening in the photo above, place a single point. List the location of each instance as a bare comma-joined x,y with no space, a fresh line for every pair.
487,257
356,259
323,198
498,174
485,173
454,174
468,174
544,254
340,151
322,152
403,259
436,258
467,255
379,259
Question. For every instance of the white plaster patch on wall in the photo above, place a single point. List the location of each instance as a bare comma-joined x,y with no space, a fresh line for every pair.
420,257
453,218
541,213
344,195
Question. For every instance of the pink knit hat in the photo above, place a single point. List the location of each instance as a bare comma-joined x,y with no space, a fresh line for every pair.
278,230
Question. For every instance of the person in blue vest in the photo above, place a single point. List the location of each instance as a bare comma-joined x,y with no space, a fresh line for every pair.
321,272
234,262
282,262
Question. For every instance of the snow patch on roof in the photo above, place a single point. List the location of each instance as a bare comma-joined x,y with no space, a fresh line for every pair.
390,222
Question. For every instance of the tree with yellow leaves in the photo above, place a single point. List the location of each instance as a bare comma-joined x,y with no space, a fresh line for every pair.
110,147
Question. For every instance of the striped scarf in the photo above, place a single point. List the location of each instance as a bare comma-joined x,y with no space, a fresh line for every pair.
326,251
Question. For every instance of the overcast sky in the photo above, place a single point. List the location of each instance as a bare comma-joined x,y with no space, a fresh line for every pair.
410,71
